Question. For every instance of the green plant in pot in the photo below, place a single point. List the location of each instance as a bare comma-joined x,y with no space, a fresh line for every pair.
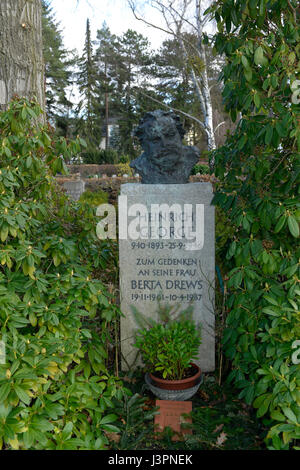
168,348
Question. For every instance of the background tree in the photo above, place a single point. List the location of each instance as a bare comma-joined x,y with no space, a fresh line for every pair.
89,124
133,58
172,80
106,60
183,16
122,70
176,89
21,60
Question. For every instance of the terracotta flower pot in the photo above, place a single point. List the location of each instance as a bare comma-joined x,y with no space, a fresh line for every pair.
177,384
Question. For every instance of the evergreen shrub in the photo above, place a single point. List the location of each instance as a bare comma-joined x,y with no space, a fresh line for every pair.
56,391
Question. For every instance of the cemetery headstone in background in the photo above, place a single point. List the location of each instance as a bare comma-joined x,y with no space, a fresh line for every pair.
74,188
166,237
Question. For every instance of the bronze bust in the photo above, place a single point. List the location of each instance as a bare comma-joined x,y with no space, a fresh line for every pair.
165,159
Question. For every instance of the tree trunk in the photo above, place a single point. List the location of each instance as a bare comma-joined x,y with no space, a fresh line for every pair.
21,56
106,122
208,113
106,107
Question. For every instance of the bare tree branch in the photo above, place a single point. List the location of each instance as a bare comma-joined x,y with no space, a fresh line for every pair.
190,116
178,19
183,19
219,125
139,18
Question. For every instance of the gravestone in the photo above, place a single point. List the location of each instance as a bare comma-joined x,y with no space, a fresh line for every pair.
177,271
166,236
74,188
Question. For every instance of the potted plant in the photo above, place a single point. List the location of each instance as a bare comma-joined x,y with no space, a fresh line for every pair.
168,348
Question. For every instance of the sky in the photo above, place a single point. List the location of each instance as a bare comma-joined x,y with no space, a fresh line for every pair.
72,16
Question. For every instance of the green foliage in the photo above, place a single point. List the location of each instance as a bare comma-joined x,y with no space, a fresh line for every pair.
259,173
135,422
124,169
55,389
124,159
220,421
169,345
224,234
133,55
200,168
99,157
94,198
172,68
88,122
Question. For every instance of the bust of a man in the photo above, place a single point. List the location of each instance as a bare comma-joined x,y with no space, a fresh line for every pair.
165,159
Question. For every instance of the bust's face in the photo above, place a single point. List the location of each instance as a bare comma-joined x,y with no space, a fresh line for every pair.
162,142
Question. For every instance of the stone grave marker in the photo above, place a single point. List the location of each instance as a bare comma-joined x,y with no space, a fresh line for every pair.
74,188
176,271
166,236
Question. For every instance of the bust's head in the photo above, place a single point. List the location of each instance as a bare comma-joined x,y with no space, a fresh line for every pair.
165,159
160,134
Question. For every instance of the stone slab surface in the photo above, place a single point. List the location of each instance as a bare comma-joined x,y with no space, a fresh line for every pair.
74,188
153,269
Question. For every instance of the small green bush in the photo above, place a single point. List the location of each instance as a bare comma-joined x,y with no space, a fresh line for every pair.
170,345
94,198
124,159
124,169
200,168
100,156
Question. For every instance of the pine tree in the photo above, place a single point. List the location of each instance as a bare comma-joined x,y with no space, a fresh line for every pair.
134,58
106,60
173,85
122,63
89,123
